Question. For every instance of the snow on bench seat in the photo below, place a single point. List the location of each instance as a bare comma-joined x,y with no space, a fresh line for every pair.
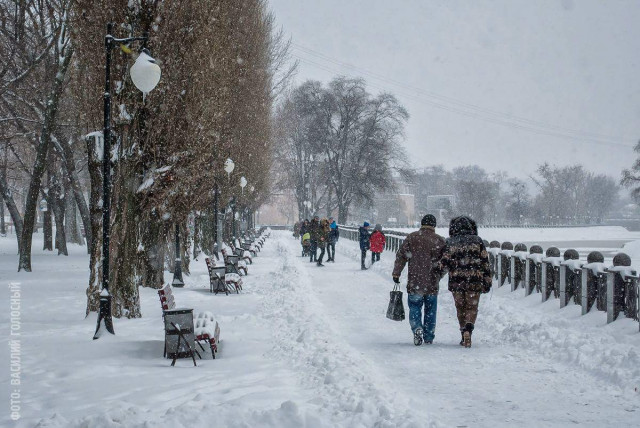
206,328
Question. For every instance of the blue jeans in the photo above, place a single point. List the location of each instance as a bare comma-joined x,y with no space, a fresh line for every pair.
430,304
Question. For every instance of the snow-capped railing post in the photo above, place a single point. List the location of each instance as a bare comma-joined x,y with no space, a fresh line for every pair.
505,253
621,288
591,272
533,270
570,274
550,273
494,250
518,262
543,282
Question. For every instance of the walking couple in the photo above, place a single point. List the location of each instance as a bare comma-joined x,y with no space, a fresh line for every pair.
463,255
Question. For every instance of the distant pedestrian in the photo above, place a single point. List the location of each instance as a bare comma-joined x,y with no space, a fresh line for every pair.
313,230
422,250
322,238
377,241
465,258
334,235
364,243
304,227
296,229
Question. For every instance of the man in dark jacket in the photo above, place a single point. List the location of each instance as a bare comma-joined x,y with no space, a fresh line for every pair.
465,258
334,235
422,250
364,243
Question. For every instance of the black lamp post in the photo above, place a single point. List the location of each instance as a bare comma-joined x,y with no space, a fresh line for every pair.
145,75
177,268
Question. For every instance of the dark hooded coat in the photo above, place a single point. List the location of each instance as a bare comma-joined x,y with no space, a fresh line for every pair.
465,258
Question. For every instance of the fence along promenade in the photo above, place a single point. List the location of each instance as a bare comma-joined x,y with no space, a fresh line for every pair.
589,283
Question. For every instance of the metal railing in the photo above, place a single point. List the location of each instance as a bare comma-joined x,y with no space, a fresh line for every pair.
612,289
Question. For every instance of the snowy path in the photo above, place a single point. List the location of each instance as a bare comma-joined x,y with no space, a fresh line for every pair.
310,347
501,381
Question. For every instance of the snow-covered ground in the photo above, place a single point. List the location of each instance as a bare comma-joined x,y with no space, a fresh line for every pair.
304,346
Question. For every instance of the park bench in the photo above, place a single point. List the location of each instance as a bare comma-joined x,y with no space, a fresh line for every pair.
241,252
220,281
248,246
206,329
233,262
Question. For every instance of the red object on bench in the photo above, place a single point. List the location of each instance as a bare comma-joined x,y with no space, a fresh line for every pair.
204,328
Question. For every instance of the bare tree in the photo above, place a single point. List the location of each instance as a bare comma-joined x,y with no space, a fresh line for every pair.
345,137
475,192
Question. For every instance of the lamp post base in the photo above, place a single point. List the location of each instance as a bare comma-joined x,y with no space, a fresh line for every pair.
177,275
104,315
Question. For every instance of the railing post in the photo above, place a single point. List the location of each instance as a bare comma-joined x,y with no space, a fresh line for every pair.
543,281
527,277
584,294
512,267
612,309
563,286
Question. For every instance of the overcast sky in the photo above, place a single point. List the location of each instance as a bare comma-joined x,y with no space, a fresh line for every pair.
505,84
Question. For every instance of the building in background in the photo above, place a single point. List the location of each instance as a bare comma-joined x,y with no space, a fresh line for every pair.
281,210
394,208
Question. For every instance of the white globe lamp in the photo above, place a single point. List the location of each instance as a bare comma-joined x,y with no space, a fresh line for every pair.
145,72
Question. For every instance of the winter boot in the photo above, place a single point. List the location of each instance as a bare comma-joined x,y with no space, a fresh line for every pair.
417,337
462,337
466,335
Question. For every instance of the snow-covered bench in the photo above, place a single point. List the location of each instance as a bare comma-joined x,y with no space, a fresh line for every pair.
220,281
244,255
233,262
206,328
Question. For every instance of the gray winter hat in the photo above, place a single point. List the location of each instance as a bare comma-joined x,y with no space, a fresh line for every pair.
378,227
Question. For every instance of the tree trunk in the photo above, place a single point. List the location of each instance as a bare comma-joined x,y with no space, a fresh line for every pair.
72,229
3,229
185,241
125,233
95,211
343,212
3,173
47,229
69,166
12,207
151,254
57,206
47,223
196,237
41,155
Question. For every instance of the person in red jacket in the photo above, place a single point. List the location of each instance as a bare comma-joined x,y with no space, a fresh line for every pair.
377,241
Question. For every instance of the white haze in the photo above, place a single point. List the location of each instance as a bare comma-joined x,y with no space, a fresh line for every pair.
567,66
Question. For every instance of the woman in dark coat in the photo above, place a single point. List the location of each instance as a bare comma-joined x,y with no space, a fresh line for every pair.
465,258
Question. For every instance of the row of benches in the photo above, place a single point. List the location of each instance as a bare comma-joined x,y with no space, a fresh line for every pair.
202,327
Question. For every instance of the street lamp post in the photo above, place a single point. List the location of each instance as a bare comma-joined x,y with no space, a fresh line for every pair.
145,75
177,268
